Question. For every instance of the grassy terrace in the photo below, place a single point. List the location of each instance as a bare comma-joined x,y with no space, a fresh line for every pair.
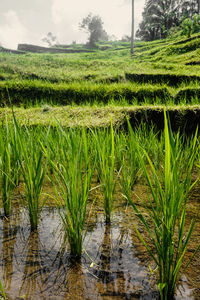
162,72
182,116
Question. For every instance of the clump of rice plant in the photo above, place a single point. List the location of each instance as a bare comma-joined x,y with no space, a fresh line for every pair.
7,184
9,167
129,161
71,180
105,155
168,211
33,170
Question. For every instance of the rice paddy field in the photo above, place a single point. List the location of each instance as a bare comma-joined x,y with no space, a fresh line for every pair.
99,173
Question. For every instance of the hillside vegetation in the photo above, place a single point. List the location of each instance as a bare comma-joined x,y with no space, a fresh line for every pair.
163,71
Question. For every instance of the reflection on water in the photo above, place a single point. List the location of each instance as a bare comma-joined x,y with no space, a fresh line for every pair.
9,232
38,266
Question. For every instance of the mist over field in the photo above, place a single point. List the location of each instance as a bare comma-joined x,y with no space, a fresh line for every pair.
29,21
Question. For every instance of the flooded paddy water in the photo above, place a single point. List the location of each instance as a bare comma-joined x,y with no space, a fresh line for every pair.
37,265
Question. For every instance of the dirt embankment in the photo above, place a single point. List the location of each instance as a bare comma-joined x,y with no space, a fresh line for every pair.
6,50
39,49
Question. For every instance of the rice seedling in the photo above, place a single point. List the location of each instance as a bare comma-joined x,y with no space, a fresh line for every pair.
150,139
9,167
128,156
127,160
13,139
33,170
71,180
120,144
97,138
2,291
33,174
168,212
6,172
105,155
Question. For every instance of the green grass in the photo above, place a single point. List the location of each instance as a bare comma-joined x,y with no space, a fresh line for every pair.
159,72
184,117
28,93
100,64
148,89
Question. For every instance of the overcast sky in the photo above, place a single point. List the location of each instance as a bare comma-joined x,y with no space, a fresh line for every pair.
26,21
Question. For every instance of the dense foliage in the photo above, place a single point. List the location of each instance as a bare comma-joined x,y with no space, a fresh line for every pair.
93,25
161,15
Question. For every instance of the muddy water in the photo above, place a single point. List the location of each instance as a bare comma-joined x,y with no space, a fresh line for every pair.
38,266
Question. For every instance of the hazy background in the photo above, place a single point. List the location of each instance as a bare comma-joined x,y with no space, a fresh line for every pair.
26,21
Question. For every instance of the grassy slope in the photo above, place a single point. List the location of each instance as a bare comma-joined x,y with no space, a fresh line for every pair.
159,73
150,57
182,117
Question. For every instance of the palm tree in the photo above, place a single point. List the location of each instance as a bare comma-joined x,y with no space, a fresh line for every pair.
164,14
158,17
190,7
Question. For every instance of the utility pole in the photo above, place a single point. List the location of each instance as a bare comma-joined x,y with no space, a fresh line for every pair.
132,29
198,2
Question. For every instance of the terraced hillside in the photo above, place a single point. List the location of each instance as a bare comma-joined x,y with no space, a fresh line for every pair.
164,71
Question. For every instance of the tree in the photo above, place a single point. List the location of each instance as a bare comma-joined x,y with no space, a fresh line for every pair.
160,15
93,25
50,39
187,27
191,25
189,8
126,38
148,29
